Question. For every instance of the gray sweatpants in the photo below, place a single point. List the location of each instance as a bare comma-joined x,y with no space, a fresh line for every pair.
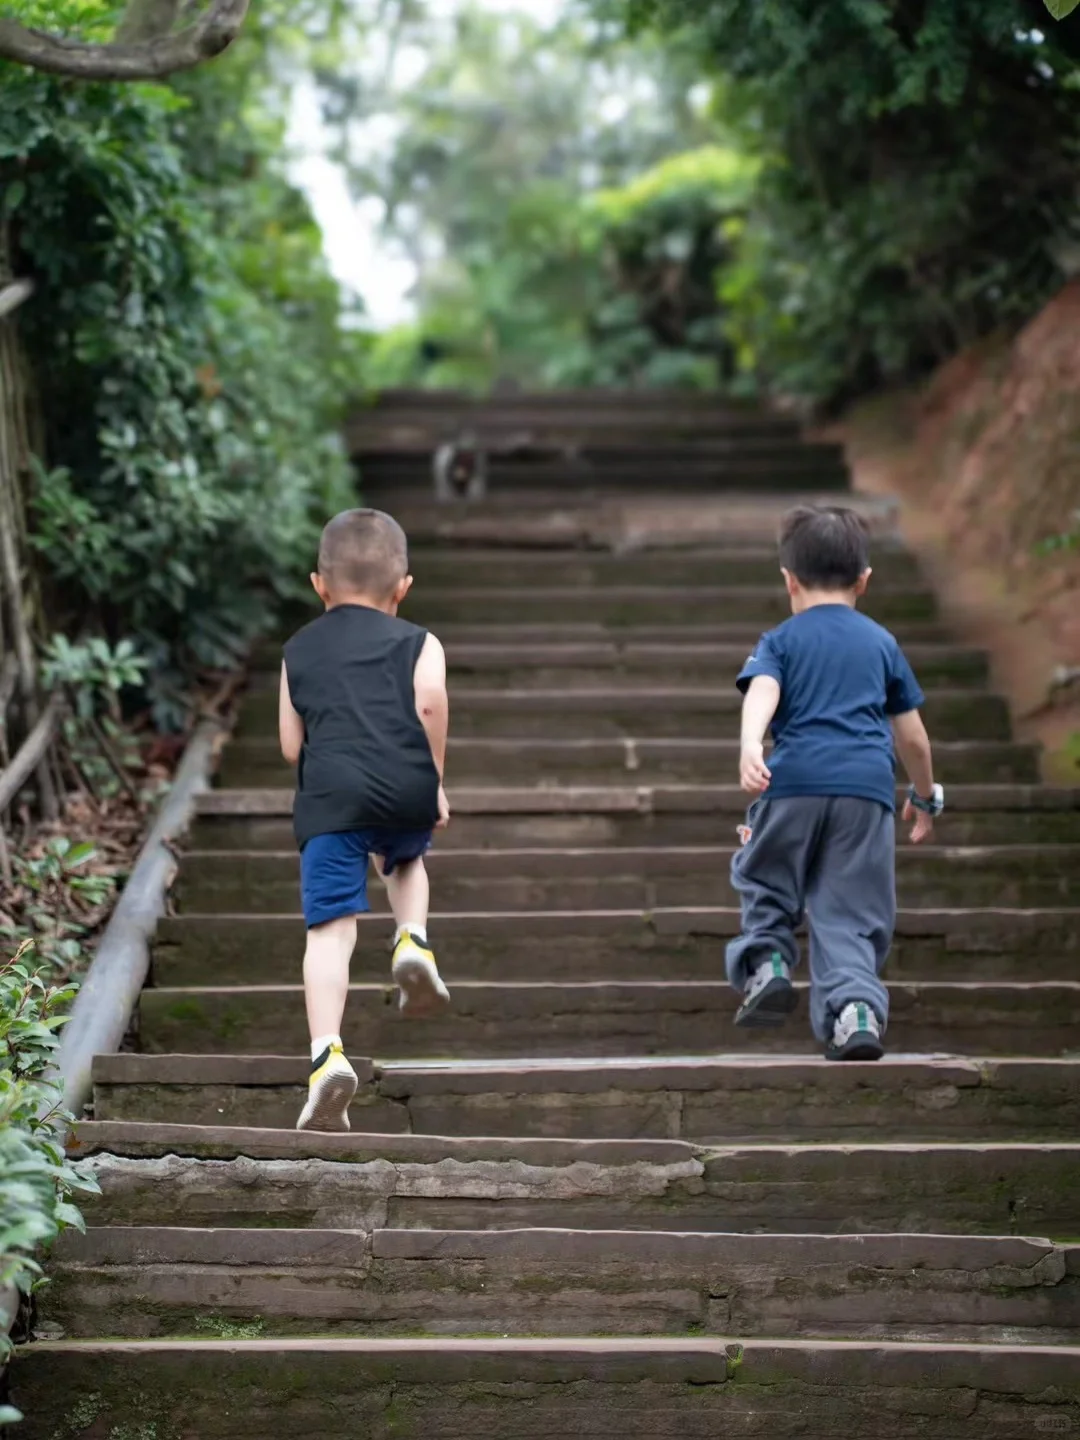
832,857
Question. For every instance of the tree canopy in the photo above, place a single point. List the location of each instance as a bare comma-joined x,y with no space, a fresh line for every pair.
912,188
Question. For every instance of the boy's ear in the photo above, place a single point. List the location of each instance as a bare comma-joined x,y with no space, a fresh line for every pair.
789,580
319,585
402,588
863,581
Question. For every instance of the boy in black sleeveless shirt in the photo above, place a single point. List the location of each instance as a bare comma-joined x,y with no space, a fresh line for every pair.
363,714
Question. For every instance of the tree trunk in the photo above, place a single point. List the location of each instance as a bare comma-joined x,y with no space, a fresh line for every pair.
15,585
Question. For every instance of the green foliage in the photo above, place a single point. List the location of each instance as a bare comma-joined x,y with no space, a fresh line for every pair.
714,177
810,198
1060,8
59,895
37,1181
189,351
1068,539
916,179
94,672
499,146
663,240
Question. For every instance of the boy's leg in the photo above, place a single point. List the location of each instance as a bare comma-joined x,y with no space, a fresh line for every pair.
326,976
333,885
400,863
769,876
851,909
409,892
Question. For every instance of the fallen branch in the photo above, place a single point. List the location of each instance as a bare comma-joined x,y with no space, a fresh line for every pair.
145,60
115,764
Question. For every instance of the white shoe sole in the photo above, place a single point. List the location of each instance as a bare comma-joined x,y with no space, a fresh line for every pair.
422,990
328,1108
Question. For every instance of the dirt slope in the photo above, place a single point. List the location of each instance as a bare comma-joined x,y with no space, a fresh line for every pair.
986,463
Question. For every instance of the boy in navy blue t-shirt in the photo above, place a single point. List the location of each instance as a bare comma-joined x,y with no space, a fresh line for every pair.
839,696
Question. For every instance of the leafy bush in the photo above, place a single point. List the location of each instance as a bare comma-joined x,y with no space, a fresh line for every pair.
58,897
37,1181
663,240
189,357
485,181
919,186
94,672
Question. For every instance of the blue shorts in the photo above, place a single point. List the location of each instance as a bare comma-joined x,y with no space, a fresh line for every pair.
334,868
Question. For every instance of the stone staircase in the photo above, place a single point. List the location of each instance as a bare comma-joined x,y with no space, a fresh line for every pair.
582,1203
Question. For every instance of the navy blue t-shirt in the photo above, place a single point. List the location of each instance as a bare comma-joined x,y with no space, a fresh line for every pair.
841,676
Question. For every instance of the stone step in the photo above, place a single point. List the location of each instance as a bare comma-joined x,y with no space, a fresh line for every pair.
536,519
587,711
538,665
702,660
225,832
583,667
223,1175
609,515
723,631
704,1100
558,945
607,449
623,878
495,816
748,565
685,1389
605,446
752,606
511,1019
156,1281
608,664
516,760
688,475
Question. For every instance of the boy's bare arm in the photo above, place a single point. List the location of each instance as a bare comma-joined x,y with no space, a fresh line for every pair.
913,748
759,707
290,725
433,708
916,756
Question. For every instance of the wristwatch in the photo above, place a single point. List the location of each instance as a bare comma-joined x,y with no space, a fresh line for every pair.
933,805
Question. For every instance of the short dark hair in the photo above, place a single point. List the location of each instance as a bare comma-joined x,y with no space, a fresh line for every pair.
363,552
826,547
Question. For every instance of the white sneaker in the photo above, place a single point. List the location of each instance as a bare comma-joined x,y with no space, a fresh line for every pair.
856,1034
331,1088
414,971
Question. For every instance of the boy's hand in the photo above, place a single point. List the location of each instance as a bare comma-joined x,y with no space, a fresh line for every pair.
754,774
922,826
444,810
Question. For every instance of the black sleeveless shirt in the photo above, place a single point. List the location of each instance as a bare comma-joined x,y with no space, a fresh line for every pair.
366,759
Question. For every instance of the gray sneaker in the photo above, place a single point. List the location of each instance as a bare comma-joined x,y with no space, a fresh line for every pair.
770,997
856,1034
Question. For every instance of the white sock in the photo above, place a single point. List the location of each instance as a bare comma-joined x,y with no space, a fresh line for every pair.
323,1043
420,931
